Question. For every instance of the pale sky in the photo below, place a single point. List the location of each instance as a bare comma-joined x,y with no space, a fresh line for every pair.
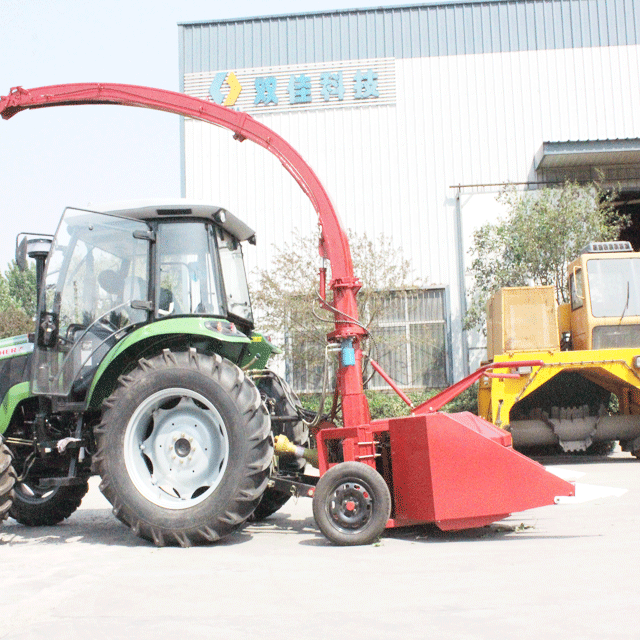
58,157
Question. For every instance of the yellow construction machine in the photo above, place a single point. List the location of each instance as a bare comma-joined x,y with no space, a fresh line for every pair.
586,388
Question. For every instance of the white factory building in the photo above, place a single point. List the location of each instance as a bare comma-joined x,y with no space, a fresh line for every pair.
414,117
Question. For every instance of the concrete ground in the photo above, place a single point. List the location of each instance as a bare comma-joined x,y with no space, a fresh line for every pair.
565,571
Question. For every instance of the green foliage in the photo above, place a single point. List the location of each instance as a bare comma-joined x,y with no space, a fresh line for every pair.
542,232
15,322
22,287
386,404
17,301
286,295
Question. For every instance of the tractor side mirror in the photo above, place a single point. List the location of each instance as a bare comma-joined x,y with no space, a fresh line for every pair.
21,253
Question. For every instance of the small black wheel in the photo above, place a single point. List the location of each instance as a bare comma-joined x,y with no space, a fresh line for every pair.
352,504
7,480
36,507
184,448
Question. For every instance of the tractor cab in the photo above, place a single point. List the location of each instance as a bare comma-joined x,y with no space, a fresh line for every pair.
604,283
113,270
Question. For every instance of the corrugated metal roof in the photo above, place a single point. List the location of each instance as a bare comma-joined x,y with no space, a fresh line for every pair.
329,12
409,31
588,153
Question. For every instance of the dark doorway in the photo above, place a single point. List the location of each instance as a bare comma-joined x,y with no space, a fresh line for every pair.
628,203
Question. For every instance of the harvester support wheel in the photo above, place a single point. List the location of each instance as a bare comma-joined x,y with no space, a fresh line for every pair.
7,480
352,504
35,507
184,448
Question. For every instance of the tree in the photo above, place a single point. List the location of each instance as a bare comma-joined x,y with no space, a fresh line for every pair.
17,300
22,287
541,234
286,294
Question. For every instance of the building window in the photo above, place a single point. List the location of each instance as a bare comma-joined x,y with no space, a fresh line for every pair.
410,332
411,335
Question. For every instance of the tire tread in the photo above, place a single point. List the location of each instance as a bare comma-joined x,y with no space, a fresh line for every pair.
7,480
257,433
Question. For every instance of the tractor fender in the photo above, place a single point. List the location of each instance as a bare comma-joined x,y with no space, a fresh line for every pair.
12,399
150,339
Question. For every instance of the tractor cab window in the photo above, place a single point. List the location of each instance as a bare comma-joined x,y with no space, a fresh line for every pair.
95,285
614,287
187,262
235,278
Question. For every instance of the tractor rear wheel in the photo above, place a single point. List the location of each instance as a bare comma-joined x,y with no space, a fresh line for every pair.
7,480
352,504
184,448
271,502
35,507
282,402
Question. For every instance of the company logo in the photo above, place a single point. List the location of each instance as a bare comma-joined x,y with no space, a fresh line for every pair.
298,88
234,88
323,85
7,352
326,85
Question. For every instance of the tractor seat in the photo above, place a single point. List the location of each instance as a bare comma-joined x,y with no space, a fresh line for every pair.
111,281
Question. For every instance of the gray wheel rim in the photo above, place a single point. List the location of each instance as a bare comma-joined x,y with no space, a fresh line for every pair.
350,506
176,448
33,495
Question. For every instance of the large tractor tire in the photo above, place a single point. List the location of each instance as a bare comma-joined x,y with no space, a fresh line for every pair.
7,480
271,502
184,448
35,507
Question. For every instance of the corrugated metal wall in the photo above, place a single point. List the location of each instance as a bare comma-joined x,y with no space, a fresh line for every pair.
412,31
476,95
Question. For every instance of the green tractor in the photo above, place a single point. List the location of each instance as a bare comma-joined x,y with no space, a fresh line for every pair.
145,369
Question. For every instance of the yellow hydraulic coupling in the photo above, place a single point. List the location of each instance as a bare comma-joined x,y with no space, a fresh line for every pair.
283,446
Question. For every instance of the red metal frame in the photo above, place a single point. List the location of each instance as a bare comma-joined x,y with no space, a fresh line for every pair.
444,397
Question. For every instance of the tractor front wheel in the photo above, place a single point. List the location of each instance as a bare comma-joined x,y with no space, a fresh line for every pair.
7,480
352,504
36,507
184,448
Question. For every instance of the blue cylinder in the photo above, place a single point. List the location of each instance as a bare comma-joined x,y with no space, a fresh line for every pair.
348,353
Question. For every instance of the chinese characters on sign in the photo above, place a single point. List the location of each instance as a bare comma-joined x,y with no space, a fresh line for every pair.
299,89
266,91
366,85
331,86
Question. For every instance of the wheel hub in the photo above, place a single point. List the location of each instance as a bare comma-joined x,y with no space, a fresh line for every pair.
182,448
350,506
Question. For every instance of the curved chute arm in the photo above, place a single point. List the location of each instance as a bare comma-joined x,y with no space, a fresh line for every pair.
334,241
